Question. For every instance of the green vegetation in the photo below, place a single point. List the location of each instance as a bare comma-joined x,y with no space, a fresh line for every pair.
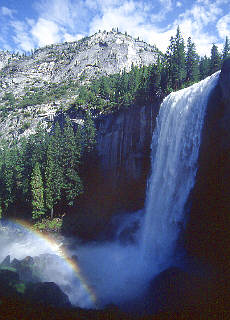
178,68
20,287
41,173
51,92
38,95
8,268
37,192
48,225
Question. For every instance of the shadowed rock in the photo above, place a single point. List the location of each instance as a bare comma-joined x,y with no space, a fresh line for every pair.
5,262
47,293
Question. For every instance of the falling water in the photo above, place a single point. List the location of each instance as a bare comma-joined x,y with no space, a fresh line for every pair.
175,148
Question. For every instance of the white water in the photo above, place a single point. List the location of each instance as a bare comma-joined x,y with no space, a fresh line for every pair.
175,148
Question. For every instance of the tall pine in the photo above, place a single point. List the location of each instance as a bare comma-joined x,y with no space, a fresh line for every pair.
37,192
215,62
192,70
176,60
226,50
71,153
204,67
54,171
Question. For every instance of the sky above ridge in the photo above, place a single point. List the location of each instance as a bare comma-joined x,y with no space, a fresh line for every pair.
29,24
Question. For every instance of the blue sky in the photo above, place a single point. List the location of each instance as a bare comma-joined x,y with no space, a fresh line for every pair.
28,24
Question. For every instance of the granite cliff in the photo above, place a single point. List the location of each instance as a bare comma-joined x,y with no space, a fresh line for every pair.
35,87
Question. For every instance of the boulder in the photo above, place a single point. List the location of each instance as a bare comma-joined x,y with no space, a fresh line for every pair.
24,268
176,290
47,293
5,262
8,281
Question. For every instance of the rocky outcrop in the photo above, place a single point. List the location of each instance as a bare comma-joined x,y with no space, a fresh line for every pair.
208,229
18,279
47,293
116,176
175,290
35,87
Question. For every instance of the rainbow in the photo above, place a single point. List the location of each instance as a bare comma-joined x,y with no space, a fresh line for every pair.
61,252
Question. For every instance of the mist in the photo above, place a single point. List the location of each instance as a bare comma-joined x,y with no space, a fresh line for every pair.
112,272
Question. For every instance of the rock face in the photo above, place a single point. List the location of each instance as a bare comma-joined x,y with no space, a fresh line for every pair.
208,235
123,148
47,293
116,177
33,88
174,290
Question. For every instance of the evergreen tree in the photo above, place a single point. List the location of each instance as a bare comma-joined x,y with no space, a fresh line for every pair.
215,62
54,171
204,67
50,196
155,79
176,61
88,134
7,175
226,50
37,192
192,70
0,209
71,153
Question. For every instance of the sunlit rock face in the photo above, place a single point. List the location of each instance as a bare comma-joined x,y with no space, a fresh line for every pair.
208,227
62,67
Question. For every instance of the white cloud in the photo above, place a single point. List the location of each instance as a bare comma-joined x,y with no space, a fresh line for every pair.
59,11
223,26
69,20
196,22
7,12
131,17
69,37
167,4
45,32
22,37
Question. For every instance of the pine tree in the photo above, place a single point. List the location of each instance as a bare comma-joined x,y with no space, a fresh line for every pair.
88,134
8,162
54,171
226,50
155,79
50,197
192,70
0,208
176,60
215,60
71,153
37,192
204,67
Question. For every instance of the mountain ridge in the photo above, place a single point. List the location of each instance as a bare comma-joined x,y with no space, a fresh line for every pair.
37,86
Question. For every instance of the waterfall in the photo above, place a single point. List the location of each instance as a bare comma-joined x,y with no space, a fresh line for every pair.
175,148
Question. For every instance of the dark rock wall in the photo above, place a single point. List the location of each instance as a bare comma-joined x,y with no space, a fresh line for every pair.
124,142
115,176
208,228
